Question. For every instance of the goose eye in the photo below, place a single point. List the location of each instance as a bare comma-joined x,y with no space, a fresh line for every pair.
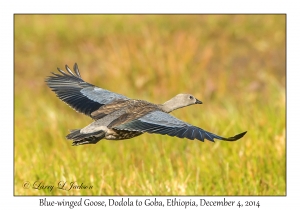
191,97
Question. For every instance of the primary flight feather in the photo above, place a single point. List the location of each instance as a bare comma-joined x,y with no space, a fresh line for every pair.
117,117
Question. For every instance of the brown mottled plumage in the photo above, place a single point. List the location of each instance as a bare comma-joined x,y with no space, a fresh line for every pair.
117,117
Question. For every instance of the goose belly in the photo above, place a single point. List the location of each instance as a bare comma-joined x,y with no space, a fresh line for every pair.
113,134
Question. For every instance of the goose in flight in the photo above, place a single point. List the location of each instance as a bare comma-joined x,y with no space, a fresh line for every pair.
117,117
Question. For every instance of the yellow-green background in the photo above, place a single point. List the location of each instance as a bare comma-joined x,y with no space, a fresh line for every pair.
235,64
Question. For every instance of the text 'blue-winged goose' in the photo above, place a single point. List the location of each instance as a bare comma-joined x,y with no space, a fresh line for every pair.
117,117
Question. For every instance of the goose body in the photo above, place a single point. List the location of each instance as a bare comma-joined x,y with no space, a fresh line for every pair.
117,117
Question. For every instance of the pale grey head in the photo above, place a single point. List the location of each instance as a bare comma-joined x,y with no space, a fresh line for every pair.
179,101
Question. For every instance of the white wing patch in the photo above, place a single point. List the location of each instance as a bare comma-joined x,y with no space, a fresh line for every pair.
100,95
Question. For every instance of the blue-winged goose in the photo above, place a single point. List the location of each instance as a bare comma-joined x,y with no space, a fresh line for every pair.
117,117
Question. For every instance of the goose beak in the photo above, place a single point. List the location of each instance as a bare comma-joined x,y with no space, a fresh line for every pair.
198,102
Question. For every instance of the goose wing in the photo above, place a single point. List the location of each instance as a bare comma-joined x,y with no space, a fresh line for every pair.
78,94
162,123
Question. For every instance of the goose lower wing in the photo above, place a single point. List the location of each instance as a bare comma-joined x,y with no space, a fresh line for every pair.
162,123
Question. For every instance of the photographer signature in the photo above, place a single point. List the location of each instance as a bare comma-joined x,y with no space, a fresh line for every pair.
61,185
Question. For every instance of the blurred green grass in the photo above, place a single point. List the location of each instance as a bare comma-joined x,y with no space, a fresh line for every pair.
235,64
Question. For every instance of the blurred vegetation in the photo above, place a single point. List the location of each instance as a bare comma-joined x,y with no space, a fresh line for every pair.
235,64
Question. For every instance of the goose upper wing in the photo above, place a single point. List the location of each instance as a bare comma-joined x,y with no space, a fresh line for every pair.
162,123
80,95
